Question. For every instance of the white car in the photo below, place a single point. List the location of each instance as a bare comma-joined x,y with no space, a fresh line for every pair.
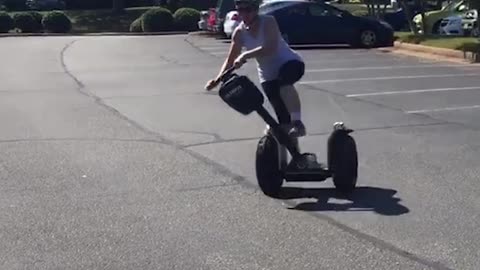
460,25
203,23
451,26
232,20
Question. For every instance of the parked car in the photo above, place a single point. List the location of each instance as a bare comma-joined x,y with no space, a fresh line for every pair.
45,4
312,22
232,20
203,22
221,10
460,25
451,26
470,23
435,17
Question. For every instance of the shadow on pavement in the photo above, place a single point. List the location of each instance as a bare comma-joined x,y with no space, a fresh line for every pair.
375,199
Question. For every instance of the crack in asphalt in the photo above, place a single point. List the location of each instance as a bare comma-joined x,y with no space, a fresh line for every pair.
199,48
318,133
80,140
221,169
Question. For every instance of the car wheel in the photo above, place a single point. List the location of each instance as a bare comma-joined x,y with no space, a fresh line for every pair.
368,38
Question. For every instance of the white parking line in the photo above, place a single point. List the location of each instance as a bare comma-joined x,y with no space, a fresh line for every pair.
364,60
386,67
390,78
218,48
446,109
219,53
413,91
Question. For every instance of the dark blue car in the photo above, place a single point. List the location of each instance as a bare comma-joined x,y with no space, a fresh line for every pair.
315,22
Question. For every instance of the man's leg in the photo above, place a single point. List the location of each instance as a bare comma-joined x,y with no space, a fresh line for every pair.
290,73
272,91
291,99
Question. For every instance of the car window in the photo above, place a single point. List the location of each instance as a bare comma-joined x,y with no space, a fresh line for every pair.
297,10
318,10
271,7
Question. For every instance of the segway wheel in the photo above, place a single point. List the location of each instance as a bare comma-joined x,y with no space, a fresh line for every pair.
267,167
343,161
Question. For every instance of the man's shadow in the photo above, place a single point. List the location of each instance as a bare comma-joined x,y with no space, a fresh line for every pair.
374,199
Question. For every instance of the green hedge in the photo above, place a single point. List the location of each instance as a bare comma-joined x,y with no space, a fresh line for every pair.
25,22
56,22
6,22
157,20
37,16
186,19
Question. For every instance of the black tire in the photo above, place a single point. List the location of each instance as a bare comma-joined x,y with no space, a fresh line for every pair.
367,38
343,161
269,176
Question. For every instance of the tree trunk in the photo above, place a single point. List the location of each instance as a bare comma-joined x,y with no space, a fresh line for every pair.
411,25
118,6
422,13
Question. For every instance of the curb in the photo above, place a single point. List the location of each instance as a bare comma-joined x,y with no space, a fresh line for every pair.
94,34
435,51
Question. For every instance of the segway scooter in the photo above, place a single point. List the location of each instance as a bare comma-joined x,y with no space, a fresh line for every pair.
272,164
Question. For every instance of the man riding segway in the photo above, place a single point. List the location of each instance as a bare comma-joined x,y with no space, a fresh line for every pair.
279,67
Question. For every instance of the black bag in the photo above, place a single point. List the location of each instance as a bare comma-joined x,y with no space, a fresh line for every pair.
240,93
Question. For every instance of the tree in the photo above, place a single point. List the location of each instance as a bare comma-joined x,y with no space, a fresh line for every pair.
118,6
376,8
408,14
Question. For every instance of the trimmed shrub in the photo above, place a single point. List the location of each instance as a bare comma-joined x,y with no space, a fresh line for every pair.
25,22
136,25
6,22
157,19
38,20
57,22
186,19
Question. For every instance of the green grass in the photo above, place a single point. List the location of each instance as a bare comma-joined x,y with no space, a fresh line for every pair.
448,42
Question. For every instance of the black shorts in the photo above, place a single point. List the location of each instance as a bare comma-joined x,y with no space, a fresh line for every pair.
289,73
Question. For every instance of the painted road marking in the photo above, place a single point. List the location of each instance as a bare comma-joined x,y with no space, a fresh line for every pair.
446,109
386,67
390,78
413,91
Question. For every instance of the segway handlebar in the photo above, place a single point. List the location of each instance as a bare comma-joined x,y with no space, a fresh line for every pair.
226,73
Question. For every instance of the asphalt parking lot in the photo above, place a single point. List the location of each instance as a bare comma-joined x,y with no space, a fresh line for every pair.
115,157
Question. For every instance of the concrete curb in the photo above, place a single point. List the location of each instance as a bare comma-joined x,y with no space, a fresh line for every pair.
434,51
94,34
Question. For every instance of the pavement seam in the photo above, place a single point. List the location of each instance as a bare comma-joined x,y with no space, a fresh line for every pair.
318,133
242,180
80,140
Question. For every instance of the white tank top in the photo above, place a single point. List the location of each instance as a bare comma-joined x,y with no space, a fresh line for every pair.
267,66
